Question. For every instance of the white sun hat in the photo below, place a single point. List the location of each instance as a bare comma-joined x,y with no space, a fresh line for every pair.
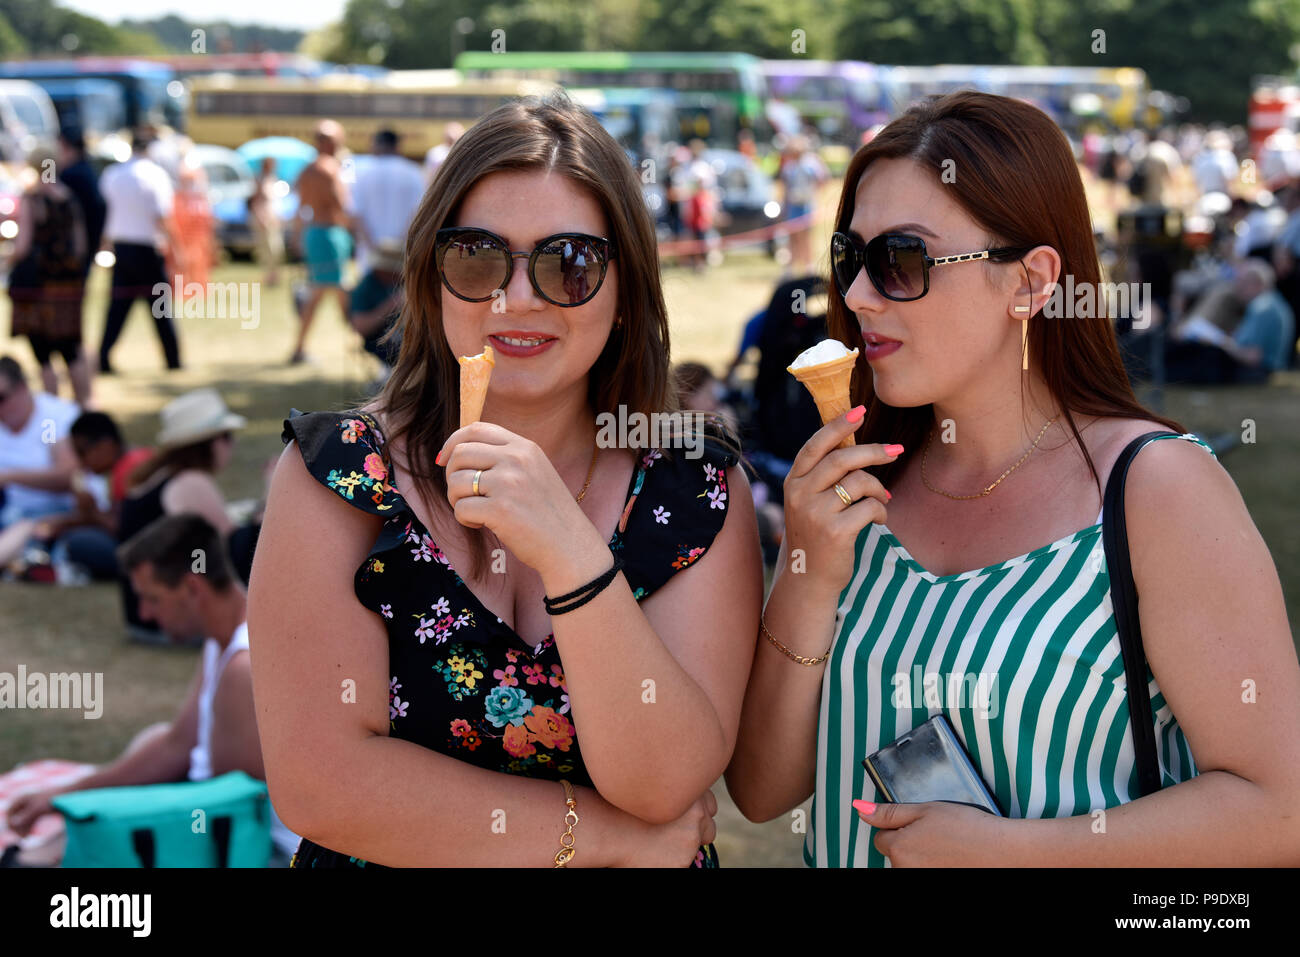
196,416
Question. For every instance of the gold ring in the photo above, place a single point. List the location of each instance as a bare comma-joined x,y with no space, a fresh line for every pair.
844,496
477,475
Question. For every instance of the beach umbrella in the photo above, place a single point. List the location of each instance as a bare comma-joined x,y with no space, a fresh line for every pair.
290,155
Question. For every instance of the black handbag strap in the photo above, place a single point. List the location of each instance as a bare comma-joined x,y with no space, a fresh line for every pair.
1124,598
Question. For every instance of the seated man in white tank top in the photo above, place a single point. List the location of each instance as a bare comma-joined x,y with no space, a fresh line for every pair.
179,569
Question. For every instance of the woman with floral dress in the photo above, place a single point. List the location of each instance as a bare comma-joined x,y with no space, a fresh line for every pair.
447,621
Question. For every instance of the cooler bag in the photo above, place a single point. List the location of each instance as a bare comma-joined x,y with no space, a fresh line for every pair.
156,825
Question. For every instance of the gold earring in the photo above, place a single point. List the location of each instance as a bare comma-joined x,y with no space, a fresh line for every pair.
1024,335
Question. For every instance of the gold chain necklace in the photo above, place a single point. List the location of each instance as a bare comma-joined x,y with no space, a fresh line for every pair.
986,491
591,469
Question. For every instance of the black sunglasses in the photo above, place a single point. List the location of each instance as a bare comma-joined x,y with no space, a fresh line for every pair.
897,263
566,269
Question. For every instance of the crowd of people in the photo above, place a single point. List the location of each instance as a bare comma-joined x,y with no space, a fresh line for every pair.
73,490
694,196
1225,295
152,217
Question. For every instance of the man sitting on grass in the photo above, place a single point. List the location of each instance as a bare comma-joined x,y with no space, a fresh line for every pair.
86,536
179,569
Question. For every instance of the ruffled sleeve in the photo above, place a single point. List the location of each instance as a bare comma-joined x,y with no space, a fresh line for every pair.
344,451
677,507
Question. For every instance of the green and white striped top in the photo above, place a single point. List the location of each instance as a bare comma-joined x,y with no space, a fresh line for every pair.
1023,658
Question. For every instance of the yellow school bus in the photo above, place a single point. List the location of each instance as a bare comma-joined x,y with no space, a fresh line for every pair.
231,110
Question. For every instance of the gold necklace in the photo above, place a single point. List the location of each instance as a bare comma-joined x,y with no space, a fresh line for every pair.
986,491
590,471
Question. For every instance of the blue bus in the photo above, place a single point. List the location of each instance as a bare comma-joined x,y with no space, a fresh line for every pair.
151,91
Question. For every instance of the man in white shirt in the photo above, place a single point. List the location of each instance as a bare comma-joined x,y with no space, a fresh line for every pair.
215,731
438,154
37,459
138,194
387,192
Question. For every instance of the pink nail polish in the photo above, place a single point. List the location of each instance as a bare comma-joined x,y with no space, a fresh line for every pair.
855,414
438,460
865,807
889,496
893,450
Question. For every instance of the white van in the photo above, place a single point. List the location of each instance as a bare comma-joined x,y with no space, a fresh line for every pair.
27,120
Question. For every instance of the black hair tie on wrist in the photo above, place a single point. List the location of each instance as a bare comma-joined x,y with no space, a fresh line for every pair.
580,596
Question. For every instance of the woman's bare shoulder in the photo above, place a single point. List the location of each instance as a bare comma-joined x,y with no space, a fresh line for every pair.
1105,437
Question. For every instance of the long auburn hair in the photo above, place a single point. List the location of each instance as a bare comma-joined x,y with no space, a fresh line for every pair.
421,398
1018,179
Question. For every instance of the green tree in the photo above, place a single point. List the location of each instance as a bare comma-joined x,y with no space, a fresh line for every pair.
765,28
45,28
1205,50
11,44
926,32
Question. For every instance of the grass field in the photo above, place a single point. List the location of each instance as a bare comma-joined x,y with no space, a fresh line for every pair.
79,629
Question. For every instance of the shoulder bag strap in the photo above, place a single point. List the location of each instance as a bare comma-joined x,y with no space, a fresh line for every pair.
1124,598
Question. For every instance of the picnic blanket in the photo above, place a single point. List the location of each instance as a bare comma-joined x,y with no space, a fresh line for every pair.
44,843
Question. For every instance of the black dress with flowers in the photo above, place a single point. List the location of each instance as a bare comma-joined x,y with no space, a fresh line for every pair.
462,682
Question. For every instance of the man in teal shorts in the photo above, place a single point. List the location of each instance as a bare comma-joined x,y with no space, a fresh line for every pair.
326,249
324,230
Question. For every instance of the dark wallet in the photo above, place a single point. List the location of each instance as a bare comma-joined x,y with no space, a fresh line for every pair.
929,764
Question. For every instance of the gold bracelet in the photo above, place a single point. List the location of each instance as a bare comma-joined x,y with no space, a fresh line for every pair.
790,654
566,851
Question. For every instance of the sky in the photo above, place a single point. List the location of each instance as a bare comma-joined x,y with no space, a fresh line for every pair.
297,14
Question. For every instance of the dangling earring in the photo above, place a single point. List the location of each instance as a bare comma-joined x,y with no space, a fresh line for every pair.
1024,323
1024,340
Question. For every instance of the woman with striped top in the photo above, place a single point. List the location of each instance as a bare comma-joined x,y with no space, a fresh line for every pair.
959,570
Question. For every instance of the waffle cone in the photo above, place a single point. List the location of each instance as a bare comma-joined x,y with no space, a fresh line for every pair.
828,382
475,371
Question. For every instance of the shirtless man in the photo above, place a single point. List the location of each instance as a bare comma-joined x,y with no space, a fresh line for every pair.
321,229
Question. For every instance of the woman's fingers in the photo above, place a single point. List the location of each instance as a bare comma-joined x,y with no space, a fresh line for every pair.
861,514
843,462
486,433
460,483
859,485
824,439
472,455
833,462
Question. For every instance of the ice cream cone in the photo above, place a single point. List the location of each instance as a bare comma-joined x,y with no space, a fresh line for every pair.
475,371
829,384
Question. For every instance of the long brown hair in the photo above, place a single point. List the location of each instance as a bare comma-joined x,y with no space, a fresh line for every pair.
1018,179
199,455
421,398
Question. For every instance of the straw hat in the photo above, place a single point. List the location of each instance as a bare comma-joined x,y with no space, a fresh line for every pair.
388,255
196,416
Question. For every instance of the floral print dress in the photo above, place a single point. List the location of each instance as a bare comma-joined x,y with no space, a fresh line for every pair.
462,682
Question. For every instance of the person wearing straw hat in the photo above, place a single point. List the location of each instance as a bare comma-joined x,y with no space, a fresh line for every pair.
195,443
